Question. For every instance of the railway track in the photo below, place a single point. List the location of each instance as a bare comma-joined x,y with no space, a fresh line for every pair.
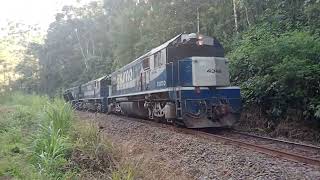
292,151
293,144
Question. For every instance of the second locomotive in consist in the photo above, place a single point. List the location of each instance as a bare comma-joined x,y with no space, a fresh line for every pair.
184,81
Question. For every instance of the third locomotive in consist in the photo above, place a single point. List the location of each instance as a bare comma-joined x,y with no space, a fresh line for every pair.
184,81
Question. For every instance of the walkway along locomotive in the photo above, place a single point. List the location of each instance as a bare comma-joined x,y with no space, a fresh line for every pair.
184,81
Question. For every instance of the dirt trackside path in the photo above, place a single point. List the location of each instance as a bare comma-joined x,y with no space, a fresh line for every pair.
160,152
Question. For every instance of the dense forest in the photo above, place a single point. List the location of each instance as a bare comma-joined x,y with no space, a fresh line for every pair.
273,47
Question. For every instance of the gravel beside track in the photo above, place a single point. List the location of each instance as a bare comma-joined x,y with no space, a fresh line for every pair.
165,152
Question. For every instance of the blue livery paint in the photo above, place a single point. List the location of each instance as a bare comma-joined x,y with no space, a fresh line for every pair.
185,72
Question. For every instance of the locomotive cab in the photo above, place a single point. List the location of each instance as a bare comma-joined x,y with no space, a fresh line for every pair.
198,61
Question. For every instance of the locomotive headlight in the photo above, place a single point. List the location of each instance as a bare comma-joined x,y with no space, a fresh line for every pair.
200,42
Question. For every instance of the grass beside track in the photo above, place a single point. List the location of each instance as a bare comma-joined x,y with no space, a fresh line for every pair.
40,139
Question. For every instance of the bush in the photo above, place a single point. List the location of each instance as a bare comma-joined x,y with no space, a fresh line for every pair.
279,72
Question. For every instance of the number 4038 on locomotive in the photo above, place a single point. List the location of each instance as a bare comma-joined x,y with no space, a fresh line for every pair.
184,81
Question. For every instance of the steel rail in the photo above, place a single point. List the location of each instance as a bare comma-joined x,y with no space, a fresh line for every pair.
261,149
278,140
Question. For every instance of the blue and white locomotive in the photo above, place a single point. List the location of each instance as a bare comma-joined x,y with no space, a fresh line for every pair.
184,81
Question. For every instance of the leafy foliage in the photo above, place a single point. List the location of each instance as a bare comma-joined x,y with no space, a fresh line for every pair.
276,61
278,72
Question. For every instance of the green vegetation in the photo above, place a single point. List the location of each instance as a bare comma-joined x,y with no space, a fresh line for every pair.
279,72
39,139
276,62
272,45
18,122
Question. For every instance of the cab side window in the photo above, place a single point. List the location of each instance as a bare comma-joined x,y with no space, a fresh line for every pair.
145,63
157,59
160,58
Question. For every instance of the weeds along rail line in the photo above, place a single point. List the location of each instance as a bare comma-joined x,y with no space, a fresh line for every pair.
241,142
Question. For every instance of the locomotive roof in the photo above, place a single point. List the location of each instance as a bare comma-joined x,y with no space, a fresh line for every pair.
164,45
99,79
154,50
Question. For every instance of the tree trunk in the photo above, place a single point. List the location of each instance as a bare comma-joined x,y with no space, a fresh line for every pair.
235,15
247,17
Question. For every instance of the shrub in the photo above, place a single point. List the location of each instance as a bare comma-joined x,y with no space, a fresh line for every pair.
278,71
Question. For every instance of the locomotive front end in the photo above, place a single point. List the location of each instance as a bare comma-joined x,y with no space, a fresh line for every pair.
203,94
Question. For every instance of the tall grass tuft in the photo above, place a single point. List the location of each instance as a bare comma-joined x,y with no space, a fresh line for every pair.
51,143
60,116
49,150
